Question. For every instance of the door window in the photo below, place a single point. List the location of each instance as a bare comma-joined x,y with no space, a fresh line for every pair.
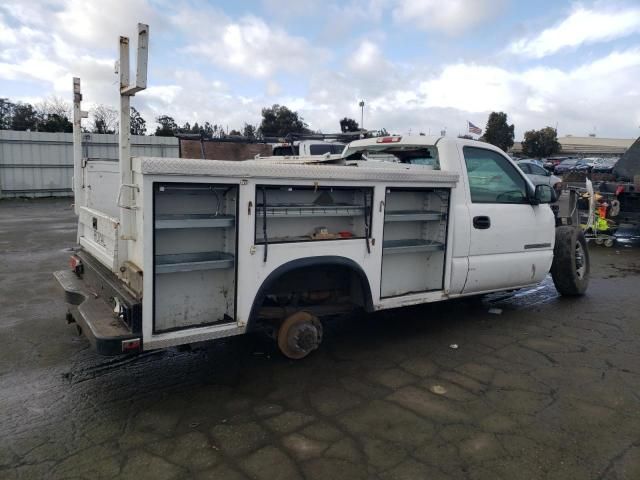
492,178
524,167
536,170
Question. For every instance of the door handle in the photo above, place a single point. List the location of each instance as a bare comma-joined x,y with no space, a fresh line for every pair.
482,222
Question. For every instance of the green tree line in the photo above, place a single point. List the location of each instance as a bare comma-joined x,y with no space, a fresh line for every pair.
54,115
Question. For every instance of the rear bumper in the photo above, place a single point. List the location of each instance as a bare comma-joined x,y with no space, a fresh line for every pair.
108,334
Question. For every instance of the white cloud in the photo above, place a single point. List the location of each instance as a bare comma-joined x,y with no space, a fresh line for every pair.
601,93
41,49
471,88
273,88
582,27
95,24
451,16
367,58
250,45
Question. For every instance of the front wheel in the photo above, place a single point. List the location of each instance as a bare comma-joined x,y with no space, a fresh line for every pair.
570,267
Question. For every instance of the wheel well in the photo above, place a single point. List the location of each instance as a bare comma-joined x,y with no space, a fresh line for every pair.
315,279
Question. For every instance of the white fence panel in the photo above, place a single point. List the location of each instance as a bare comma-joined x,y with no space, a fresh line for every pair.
38,164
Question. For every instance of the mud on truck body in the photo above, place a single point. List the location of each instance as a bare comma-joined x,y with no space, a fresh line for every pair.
195,250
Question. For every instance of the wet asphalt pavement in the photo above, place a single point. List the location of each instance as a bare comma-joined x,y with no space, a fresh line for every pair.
548,389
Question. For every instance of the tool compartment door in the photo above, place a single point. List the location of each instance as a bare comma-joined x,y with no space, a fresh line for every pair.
194,252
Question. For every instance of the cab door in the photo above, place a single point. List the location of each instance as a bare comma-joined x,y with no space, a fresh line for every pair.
511,241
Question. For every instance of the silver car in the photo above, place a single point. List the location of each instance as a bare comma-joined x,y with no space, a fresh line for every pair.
538,174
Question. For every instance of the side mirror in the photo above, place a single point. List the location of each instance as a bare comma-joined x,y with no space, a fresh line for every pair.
544,194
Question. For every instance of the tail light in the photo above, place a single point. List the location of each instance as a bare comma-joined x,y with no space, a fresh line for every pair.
76,264
132,345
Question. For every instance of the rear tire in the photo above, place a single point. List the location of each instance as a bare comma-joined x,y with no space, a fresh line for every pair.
299,335
570,268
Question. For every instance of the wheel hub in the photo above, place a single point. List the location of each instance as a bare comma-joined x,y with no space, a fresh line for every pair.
304,338
299,335
580,263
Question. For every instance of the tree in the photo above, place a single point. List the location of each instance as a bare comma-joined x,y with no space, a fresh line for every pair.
167,126
186,128
6,113
234,133
138,125
249,131
55,123
278,121
54,115
349,125
24,117
105,119
498,132
54,106
541,143
208,130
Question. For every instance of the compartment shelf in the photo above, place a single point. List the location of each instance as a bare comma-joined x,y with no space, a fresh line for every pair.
188,262
193,220
310,210
412,215
390,247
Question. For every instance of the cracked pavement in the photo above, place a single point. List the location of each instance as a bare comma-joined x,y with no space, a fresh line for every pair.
548,389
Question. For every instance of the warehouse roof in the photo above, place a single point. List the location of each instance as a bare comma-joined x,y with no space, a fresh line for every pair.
588,145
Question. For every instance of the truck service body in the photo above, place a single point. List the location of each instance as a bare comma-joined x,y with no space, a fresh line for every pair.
194,250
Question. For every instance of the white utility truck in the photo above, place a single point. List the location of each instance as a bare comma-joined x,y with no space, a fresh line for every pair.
203,249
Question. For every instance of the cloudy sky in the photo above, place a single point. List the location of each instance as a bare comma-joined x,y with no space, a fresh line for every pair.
420,65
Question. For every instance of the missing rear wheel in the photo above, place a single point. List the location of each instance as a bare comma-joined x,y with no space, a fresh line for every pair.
299,335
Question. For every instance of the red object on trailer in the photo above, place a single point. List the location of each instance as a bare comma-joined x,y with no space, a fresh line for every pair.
76,264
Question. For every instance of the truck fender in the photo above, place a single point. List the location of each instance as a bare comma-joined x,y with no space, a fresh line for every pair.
306,263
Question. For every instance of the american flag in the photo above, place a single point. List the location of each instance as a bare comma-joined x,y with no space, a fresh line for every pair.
473,129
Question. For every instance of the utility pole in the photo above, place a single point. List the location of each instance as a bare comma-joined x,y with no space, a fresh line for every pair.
361,114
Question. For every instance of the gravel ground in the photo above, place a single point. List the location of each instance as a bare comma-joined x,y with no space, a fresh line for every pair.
547,389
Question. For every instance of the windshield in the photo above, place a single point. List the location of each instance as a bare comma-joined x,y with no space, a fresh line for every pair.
322,148
414,155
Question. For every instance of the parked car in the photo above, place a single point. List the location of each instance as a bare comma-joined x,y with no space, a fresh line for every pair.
583,165
537,174
604,165
572,165
552,162
537,161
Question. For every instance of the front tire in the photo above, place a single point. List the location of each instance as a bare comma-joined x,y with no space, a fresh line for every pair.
570,268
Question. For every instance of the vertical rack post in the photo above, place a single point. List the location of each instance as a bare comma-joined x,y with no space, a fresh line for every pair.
78,184
124,140
126,196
